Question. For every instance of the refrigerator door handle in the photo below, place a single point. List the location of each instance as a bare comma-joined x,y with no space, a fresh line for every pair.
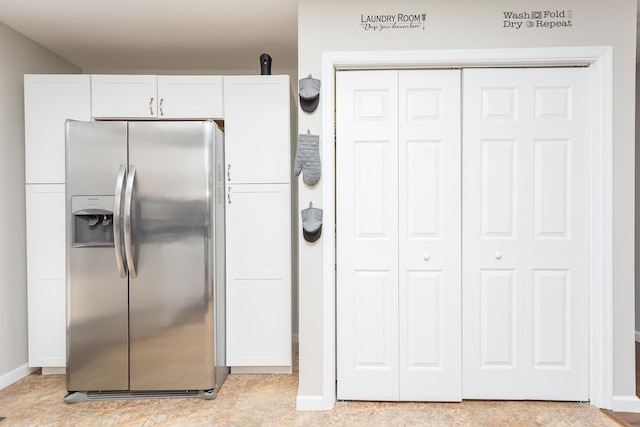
117,233
128,244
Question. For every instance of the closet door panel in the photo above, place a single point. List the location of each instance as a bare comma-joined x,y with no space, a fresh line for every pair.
398,219
525,160
429,235
498,326
367,249
552,179
424,313
551,302
498,185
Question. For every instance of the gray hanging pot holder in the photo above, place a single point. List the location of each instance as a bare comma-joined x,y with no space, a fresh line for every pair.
311,223
308,158
309,90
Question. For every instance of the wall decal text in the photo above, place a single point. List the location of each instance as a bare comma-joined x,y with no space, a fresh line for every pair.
397,21
542,19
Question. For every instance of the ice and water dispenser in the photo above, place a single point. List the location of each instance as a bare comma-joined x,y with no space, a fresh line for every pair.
92,221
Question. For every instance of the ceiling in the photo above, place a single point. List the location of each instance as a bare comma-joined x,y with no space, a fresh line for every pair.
160,34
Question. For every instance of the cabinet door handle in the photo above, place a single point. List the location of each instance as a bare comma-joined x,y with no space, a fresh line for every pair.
151,106
229,195
161,110
229,172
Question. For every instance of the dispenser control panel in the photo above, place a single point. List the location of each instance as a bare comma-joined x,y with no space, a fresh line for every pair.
94,204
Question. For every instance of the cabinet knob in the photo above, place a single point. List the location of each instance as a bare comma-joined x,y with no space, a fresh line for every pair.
151,106
161,110
229,172
498,255
426,256
229,195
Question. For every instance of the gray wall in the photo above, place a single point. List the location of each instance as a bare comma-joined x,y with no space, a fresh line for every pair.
637,234
18,56
334,25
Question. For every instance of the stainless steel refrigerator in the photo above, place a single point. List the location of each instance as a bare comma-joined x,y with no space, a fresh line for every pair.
145,259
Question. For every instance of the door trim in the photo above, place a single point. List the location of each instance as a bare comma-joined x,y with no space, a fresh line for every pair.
600,61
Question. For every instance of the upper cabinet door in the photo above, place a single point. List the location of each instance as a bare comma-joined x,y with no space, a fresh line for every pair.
49,100
124,96
257,129
190,97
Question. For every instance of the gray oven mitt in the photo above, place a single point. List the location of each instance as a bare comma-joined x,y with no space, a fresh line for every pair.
311,223
308,158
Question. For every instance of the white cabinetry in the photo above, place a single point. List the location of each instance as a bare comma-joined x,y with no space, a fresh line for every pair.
258,227
124,96
49,101
257,122
156,97
186,97
257,126
46,274
258,275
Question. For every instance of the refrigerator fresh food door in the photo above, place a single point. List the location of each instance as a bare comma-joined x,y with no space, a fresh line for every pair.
97,328
171,216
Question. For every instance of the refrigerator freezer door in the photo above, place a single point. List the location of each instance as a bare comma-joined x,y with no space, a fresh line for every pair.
171,299
97,332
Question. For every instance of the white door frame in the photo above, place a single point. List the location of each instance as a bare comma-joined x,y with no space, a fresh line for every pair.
600,60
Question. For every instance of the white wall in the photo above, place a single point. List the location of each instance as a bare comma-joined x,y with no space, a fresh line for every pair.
334,25
18,56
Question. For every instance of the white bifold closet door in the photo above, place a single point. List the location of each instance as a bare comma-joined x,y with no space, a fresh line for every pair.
398,235
525,233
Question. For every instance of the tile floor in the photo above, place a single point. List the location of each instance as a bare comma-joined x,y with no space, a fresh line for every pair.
269,400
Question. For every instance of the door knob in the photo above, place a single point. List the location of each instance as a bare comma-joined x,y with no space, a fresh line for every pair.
426,256
498,255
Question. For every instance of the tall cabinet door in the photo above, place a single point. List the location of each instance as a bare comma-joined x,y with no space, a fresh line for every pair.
49,100
258,275
257,129
526,237
398,219
46,274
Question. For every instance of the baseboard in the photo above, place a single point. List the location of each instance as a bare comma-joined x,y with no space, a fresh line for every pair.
626,404
54,370
17,374
261,369
637,336
310,403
